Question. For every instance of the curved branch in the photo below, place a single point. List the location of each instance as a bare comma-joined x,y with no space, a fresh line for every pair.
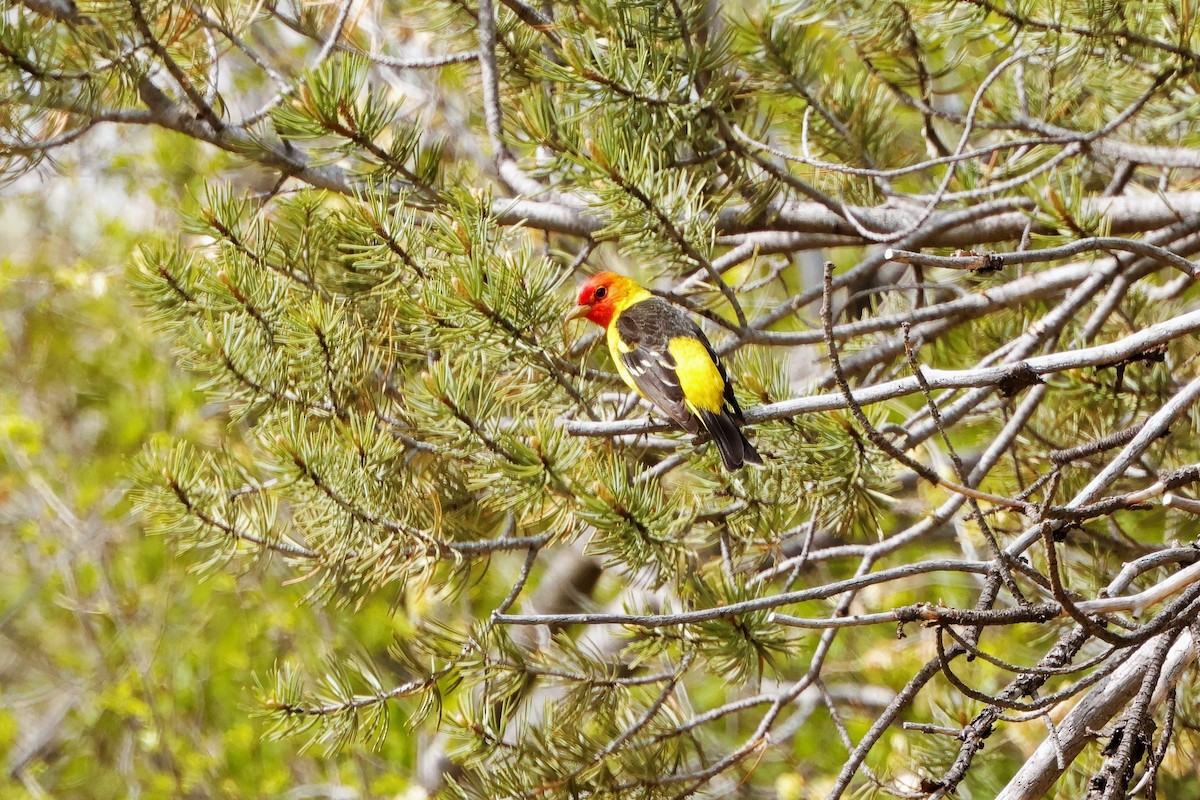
1016,375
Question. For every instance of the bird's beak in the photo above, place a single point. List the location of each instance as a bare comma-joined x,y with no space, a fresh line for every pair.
579,312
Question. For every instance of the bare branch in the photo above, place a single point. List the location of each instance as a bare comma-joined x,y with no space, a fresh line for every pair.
1017,375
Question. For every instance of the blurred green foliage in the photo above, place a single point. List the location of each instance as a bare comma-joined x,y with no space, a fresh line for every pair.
121,673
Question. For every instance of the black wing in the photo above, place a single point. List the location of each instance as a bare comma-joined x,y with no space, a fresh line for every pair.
647,328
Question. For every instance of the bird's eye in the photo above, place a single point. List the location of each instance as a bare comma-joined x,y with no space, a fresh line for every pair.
600,293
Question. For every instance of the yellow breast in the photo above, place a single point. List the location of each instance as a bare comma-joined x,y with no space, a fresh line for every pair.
618,348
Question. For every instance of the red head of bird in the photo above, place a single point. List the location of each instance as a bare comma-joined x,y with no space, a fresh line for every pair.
601,297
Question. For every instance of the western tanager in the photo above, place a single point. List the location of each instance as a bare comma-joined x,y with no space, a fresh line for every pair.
668,360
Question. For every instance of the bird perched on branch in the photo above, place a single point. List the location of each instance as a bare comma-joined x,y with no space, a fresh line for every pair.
668,360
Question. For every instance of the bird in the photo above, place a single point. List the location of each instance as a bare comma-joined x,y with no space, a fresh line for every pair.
665,357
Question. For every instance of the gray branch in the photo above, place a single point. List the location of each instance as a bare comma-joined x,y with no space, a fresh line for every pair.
1042,769
1022,372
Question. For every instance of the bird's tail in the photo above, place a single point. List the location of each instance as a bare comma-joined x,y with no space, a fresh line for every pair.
734,447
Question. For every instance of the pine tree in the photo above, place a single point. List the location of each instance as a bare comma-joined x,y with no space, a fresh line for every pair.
973,525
